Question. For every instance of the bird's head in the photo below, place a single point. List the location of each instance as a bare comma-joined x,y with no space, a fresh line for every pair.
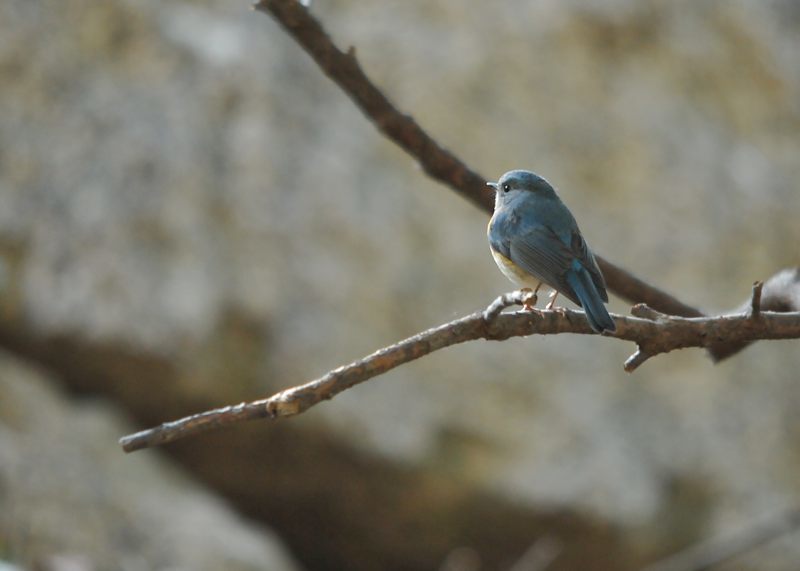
520,183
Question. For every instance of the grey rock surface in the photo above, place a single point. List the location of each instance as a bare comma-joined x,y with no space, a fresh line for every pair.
162,162
70,500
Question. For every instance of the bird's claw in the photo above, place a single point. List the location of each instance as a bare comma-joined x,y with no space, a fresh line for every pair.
529,299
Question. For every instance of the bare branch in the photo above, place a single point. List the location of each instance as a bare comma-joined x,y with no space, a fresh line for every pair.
780,293
755,300
653,332
517,297
639,357
715,551
344,70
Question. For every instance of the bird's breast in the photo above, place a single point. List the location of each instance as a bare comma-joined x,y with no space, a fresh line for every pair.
513,272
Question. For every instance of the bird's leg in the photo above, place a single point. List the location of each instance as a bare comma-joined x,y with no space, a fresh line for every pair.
530,297
552,302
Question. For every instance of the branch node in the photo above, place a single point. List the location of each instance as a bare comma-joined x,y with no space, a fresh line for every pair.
755,300
646,312
498,305
283,404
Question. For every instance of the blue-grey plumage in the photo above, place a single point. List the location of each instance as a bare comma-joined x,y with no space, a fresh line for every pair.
534,239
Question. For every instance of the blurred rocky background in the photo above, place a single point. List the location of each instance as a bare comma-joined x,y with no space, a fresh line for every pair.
192,215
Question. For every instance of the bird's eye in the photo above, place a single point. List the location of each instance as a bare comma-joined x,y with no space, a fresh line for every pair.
506,188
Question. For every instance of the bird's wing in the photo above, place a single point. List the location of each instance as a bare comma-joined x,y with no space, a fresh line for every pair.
582,252
541,253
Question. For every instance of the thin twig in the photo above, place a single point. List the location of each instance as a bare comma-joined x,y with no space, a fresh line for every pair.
755,300
634,361
719,550
664,334
506,300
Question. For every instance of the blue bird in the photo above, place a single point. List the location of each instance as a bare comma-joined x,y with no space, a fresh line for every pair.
535,241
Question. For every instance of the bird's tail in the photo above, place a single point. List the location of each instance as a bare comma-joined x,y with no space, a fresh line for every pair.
581,282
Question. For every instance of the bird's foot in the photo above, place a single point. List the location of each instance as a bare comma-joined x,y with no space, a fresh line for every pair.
529,299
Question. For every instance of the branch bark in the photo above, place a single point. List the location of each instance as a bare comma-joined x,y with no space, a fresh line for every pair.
652,331
779,294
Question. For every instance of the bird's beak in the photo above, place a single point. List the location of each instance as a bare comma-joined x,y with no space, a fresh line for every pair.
493,185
